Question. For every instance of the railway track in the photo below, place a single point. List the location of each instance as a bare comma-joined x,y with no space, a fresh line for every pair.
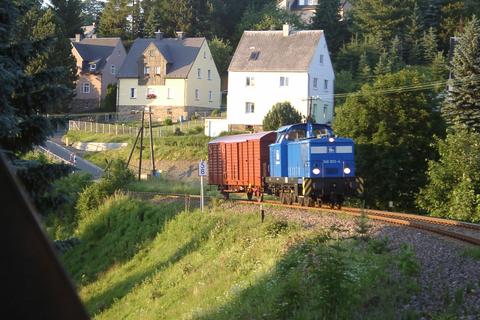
467,232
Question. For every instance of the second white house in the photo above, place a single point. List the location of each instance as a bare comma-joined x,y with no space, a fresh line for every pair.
277,66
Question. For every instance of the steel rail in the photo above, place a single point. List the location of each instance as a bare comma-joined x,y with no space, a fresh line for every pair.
435,225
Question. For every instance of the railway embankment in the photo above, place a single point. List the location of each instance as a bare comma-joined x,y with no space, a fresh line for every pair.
142,259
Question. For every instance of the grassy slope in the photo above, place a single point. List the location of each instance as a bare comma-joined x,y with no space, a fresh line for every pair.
143,261
187,147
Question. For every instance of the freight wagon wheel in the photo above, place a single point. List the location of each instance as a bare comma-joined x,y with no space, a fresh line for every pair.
226,195
249,195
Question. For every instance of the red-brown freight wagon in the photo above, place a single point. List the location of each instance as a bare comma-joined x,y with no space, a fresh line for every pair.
239,163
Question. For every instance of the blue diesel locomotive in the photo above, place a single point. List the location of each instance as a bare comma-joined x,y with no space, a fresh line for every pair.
309,165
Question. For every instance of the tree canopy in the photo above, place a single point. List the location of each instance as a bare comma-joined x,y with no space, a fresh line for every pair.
281,114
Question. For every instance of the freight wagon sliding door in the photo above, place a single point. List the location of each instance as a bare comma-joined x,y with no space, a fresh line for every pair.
251,162
234,159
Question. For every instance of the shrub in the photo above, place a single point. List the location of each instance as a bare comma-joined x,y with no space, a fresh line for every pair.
168,122
116,176
280,115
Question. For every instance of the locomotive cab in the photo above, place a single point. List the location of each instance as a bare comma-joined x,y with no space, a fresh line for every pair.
309,164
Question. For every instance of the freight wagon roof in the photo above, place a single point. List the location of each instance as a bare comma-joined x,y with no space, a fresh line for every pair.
241,137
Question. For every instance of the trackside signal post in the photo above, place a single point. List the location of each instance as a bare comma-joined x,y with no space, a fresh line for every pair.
202,172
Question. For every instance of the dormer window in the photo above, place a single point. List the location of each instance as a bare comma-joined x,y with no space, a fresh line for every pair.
93,67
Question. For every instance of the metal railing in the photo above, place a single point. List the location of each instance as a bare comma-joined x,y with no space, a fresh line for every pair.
122,129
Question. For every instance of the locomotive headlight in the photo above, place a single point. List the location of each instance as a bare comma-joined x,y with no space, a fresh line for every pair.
347,170
316,171
331,139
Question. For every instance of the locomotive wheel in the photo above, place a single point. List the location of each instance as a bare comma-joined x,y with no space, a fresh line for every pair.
319,203
290,199
283,198
301,201
308,202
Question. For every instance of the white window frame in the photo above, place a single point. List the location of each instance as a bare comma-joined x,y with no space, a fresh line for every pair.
133,93
204,54
197,94
209,74
150,91
93,67
321,59
249,107
113,69
199,73
325,84
250,81
169,93
325,110
315,83
283,81
146,70
210,96
158,70
86,87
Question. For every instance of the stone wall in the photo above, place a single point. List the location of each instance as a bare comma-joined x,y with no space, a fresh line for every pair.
160,113
78,105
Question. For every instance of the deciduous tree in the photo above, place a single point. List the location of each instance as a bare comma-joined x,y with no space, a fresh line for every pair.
281,114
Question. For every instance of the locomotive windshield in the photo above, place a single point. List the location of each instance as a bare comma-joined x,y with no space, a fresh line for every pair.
299,132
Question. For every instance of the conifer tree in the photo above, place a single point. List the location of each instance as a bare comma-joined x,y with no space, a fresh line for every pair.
364,72
429,44
413,36
155,19
462,105
327,18
113,22
70,13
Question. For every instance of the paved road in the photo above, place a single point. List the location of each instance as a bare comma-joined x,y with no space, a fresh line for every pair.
80,163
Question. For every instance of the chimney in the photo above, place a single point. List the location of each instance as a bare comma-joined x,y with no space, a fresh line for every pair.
158,35
286,30
78,37
180,35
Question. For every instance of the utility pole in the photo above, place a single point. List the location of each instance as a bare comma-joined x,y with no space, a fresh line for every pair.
152,155
141,146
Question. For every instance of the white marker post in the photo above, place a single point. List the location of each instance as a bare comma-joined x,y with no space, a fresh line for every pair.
202,172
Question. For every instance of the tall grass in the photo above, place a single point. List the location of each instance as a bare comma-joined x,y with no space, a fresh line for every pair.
138,260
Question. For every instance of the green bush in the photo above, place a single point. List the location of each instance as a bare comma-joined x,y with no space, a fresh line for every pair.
116,176
168,122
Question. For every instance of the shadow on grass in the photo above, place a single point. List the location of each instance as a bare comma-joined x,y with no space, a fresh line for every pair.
116,236
319,279
105,299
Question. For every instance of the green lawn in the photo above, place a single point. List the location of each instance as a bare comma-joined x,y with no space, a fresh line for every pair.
184,147
141,260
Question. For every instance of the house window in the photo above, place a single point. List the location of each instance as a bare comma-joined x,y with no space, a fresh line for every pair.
325,111
146,71
325,84
249,107
314,110
283,81
86,87
93,67
209,72
315,83
169,93
197,94
204,54
112,69
133,93
157,70
321,59
151,93
249,81
210,96
151,53
199,73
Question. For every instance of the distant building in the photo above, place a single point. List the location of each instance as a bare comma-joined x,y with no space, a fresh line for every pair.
277,66
177,77
98,61
306,8
90,31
